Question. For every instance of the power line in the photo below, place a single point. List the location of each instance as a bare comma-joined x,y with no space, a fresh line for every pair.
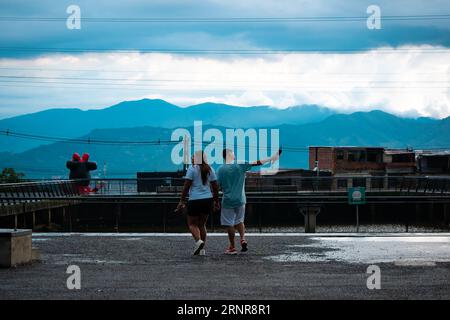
46,69
197,80
82,141
228,19
67,86
158,142
224,51
90,141
208,86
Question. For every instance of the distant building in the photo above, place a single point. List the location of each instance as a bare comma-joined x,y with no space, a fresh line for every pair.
159,181
288,180
282,172
433,162
344,160
399,162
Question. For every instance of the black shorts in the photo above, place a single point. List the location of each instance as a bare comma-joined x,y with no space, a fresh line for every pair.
200,207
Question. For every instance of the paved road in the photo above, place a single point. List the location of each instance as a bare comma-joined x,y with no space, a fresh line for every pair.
137,266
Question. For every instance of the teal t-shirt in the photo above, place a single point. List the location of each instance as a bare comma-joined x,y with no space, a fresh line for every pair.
231,178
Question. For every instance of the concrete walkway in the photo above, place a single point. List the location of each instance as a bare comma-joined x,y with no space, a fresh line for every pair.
277,266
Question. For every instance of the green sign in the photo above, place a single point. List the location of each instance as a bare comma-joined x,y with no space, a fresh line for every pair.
357,195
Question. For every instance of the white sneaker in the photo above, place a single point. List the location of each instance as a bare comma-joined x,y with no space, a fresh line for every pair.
198,247
202,252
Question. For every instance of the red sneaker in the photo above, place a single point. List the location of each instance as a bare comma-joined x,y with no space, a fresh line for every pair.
244,245
231,250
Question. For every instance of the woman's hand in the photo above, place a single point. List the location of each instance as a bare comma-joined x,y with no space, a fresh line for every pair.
216,205
181,205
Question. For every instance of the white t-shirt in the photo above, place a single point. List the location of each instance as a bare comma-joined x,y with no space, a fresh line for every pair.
198,189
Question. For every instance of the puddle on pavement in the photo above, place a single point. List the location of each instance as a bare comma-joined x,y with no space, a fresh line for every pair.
402,251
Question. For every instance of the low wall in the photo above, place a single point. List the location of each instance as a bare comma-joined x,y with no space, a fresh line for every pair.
15,247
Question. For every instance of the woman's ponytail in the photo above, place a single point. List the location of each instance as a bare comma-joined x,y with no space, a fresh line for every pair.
205,169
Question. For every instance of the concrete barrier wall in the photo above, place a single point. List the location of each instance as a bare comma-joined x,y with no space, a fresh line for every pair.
15,247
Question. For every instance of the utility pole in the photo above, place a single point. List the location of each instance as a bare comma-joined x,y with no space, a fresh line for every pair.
316,162
186,153
104,170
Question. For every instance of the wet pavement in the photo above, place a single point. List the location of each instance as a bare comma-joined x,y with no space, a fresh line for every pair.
277,266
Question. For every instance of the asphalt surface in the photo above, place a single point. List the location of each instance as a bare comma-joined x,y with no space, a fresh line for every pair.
136,266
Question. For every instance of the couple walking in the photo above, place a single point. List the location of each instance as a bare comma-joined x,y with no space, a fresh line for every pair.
202,185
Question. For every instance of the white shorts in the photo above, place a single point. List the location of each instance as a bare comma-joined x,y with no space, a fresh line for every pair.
232,216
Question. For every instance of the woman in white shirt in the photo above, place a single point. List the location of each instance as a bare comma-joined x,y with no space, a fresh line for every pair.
201,184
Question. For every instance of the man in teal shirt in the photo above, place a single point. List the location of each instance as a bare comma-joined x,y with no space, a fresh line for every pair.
231,178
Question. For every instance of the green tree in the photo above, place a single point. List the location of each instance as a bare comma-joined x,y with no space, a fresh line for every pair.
9,175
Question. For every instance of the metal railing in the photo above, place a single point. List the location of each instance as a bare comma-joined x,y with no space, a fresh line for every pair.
15,193
266,195
11,193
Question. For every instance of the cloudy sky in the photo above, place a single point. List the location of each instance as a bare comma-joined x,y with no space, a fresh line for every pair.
279,53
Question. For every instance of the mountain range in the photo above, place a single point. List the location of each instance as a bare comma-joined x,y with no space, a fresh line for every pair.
318,126
73,123
152,120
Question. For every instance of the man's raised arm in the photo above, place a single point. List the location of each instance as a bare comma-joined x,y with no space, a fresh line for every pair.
262,162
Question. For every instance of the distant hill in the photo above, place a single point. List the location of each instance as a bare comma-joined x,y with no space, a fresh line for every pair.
370,128
375,128
72,123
